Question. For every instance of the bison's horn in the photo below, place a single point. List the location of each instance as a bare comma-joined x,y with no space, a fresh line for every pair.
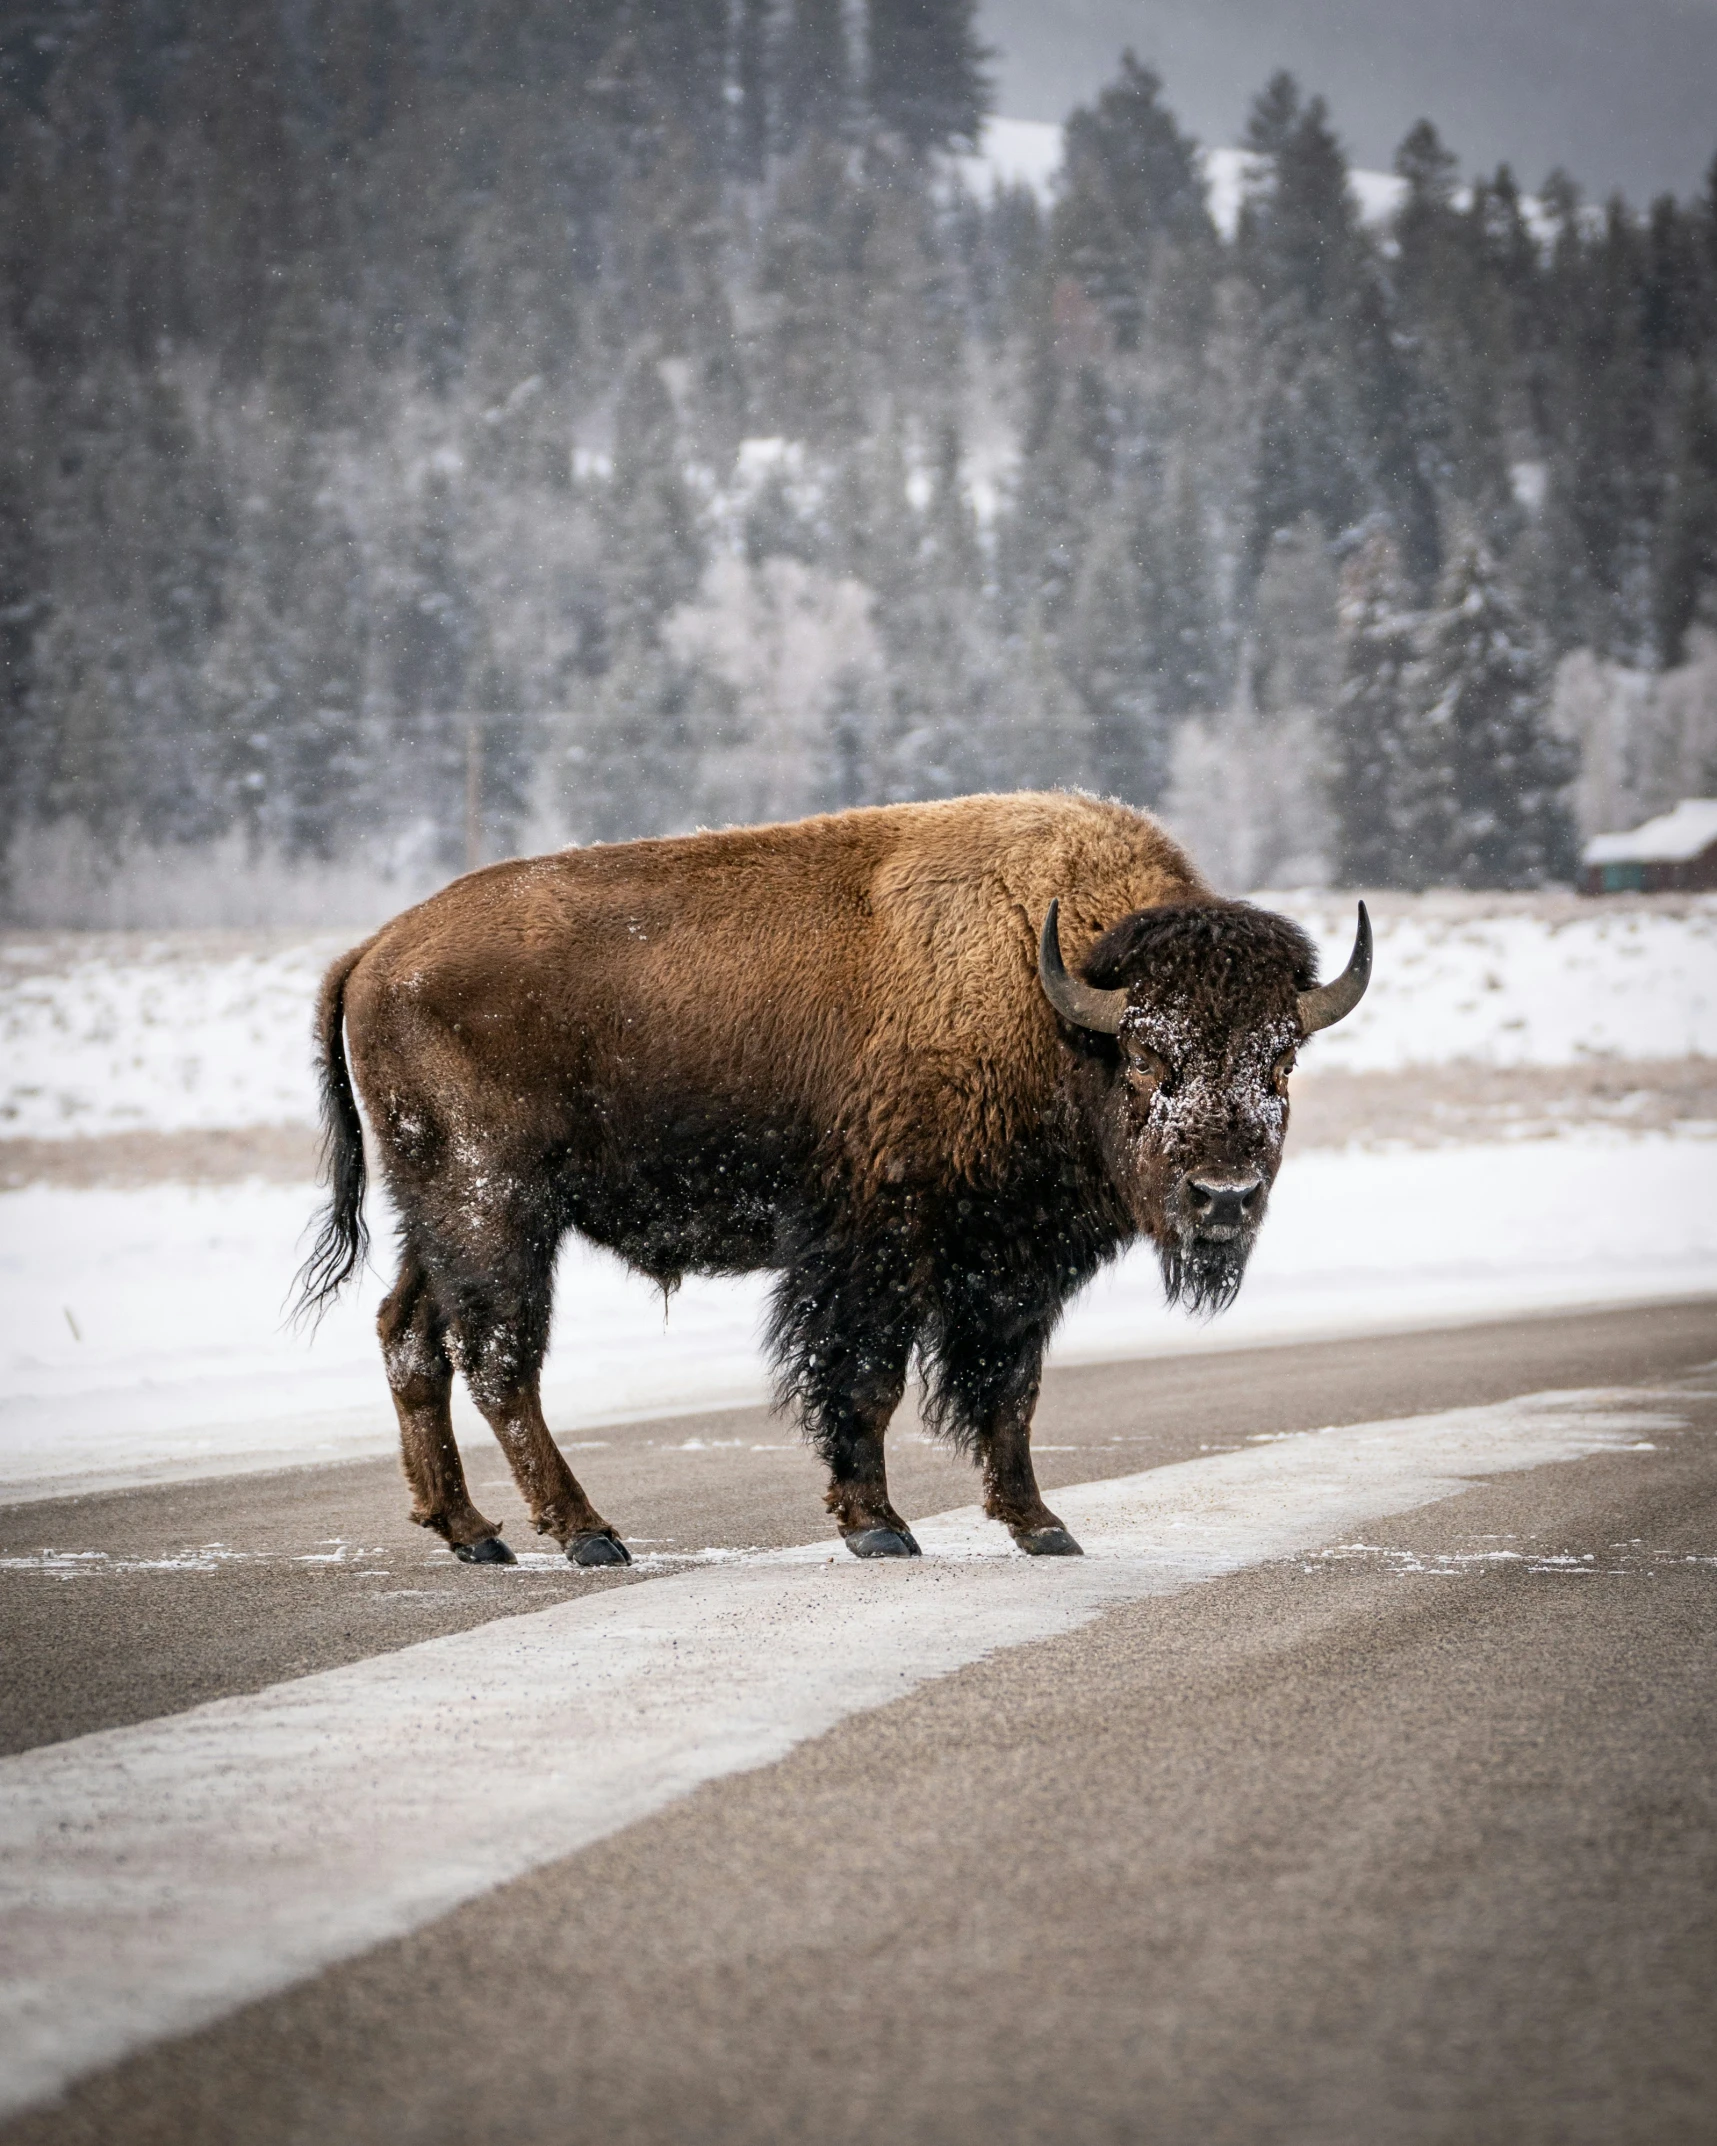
1080,1003
1331,1002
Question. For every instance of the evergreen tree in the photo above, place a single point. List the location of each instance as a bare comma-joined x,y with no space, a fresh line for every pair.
924,79
749,154
813,72
631,773
1609,445
1294,623
1130,178
1450,278
432,649
22,611
1185,638
1481,692
1300,235
1687,558
810,382
1388,824
1106,653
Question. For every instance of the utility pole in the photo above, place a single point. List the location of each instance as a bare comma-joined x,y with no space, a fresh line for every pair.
473,792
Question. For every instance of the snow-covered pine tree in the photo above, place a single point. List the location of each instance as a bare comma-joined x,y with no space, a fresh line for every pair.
1376,788
630,773
1106,653
813,74
1687,546
1479,692
748,144
925,77
1130,178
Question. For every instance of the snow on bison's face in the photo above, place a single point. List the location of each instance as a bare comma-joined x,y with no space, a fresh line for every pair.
1206,1005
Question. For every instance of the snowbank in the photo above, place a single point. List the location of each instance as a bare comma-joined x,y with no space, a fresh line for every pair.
141,1333
176,1033
1517,987
185,1032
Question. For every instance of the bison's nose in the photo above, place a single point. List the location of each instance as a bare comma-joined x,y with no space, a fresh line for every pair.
1221,1204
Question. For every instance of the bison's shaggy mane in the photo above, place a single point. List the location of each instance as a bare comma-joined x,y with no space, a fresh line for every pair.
1202,950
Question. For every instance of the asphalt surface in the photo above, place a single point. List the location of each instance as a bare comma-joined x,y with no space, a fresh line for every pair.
1414,1838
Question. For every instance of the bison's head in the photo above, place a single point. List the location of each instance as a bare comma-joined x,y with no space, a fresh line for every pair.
1206,1004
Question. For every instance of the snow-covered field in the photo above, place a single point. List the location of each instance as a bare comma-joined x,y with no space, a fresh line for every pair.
171,1032
1523,983
177,1032
142,1335
142,1332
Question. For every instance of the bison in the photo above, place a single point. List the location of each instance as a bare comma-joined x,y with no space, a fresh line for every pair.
930,1064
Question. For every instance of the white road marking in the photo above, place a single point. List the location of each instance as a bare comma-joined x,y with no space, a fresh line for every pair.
156,1877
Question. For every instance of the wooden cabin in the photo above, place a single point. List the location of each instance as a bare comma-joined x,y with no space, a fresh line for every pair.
1674,854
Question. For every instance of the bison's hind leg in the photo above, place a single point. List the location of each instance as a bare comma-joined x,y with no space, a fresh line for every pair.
420,1375
498,1335
841,1342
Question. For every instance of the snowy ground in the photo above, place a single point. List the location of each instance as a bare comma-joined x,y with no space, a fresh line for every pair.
170,1032
111,1032
1549,982
141,1332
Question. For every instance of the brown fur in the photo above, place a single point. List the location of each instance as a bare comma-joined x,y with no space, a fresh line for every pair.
876,969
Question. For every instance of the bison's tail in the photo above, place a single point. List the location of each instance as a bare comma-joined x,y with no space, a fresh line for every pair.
342,1240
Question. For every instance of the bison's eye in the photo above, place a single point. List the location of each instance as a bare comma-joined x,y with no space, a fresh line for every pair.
1280,1070
1148,1072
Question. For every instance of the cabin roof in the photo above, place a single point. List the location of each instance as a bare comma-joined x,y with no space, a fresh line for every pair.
1672,838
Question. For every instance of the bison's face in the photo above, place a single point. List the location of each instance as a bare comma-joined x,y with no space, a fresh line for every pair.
1194,1128
1206,1006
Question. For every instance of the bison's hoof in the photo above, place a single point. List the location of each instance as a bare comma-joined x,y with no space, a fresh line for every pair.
597,1550
1048,1542
883,1542
490,1551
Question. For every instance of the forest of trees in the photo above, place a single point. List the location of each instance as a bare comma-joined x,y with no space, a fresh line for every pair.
588,420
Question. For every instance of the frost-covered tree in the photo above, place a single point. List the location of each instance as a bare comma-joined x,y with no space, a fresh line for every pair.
1376,774
1687,553
267,281
924,77
1130,180
813,72
1481,691
1294,655
749,149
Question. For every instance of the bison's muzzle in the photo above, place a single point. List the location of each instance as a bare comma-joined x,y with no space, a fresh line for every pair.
1222,1208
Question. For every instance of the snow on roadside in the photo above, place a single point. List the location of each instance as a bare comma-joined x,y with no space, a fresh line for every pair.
167,1035
1523,985
141,1335
118,1035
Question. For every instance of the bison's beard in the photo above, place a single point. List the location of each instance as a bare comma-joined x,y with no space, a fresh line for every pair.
1203,1274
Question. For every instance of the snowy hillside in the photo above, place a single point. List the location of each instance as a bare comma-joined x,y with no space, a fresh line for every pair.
1027,152
1517,987
189,1032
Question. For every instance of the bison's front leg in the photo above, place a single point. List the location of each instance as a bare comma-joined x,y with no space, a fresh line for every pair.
842,1343
985,1391
1011,1494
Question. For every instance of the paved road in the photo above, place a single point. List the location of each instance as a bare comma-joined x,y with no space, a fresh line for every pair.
1397,1822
